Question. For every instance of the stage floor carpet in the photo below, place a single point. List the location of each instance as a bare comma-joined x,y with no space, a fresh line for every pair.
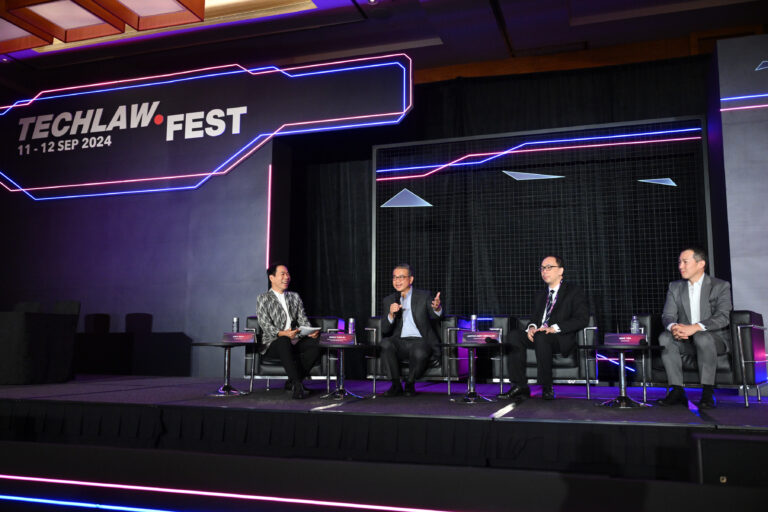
169,432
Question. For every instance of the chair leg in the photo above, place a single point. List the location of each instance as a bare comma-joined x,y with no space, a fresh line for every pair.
253,373
267,384
586,372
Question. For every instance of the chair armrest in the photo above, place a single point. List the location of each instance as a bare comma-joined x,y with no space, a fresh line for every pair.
449,330
740,343
371,337
585,336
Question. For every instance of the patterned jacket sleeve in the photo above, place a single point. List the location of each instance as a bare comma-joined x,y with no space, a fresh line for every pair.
265,319
302,316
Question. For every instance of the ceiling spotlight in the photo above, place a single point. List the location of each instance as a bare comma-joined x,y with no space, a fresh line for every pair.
372,2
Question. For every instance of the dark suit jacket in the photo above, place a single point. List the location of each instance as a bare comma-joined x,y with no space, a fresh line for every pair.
714,308
571,313
423,314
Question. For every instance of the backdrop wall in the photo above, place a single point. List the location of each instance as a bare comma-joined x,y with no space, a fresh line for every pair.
743,82
325,165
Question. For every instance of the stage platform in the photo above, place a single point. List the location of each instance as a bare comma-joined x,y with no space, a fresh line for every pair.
568,438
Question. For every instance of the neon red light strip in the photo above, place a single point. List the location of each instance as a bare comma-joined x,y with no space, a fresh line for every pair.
743,108
515,151
269,212
211,494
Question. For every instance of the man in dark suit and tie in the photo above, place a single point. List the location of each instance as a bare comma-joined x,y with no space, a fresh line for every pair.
696,316
407,330
560,311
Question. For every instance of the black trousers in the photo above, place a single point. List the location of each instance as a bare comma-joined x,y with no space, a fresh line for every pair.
414,350
297,359
545,346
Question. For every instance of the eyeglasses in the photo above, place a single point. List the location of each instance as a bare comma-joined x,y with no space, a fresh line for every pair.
399,278
548,267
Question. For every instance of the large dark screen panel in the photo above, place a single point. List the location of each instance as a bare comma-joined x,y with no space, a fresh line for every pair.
474,217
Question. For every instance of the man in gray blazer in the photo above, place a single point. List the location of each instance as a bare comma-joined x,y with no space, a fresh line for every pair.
696,316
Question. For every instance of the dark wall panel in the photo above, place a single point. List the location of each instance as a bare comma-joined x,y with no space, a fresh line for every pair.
192,259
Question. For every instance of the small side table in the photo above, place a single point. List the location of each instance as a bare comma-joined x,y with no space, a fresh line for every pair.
623,401
226,389
340,392
472,396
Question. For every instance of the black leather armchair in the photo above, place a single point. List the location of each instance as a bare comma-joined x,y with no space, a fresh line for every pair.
748,339
443,366
743,365
259,367
578,367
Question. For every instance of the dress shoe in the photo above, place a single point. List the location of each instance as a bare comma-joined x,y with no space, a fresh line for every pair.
410,389
298,392
675,396
547,393
394,390
515,393
707,401
289,387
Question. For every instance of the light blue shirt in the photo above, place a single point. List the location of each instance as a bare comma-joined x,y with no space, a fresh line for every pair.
409,326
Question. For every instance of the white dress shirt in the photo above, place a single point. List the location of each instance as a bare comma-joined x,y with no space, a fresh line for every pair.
554,299
281,300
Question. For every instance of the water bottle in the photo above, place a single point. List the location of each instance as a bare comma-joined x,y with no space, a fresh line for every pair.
235,324
634,325
473,322
351,326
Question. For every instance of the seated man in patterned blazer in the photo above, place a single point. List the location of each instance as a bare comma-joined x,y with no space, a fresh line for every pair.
280,314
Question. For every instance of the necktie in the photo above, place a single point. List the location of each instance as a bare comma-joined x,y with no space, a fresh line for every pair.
548,307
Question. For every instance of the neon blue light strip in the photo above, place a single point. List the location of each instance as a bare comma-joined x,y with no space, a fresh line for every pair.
79,504
602,357
751,96
16,184
554,141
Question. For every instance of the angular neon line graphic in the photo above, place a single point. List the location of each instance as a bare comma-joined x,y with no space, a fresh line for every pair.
528,176
762,65
486,157
660,181
250,147
216,494
405,199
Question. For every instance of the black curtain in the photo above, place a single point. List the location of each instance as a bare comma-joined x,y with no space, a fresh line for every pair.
330,249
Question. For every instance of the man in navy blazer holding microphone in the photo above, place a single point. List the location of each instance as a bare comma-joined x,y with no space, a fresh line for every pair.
560,311
407,330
